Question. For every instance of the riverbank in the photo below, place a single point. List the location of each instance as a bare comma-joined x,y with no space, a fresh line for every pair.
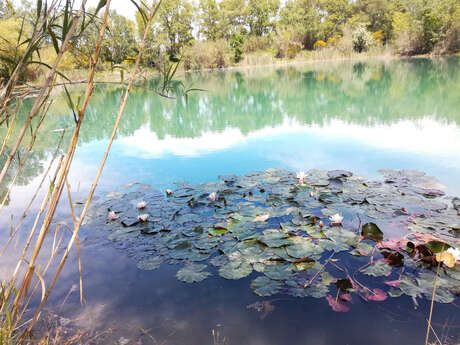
251,60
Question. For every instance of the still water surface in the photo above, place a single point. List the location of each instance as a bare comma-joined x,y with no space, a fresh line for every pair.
358,116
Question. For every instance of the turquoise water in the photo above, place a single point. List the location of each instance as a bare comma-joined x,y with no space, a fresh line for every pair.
358,116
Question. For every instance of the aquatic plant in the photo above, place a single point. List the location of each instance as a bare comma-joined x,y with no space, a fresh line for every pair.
264,225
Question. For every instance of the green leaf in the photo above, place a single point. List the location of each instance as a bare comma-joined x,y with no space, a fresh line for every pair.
235,270
377,269
278,271
372,232
149,264
274,238
304,249
192,273
264,286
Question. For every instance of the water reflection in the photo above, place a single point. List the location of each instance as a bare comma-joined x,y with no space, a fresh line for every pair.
359,116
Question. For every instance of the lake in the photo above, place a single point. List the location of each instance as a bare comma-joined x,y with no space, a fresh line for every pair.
360,116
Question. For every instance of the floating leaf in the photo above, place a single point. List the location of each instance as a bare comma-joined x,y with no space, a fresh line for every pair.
337,305
278,271
192,273
264,286
304,248
235,270
372,232
273,238
149,264
376,295
377,269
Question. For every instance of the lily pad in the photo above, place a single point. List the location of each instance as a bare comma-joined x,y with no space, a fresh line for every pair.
278,271
264,286
235,270
304,248
149,264
372,232
192,273
377,269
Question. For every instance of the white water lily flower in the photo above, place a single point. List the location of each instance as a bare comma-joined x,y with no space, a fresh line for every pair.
168,192
301,176
112,216
141,205
336,219
312,194
212,196
143,217
455,253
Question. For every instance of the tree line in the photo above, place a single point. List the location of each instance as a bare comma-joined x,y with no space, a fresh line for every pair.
216,33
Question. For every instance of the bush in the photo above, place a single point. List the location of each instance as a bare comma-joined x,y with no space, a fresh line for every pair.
206,54
362,39
408,35
236,43
319,44
286,44
256,43
334,40
378,37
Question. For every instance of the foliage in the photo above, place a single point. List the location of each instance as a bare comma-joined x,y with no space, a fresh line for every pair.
301,17
119,41
378,37
206,54
236,43
175,25
211,20
362,39
257,43
284,242
319,44
287,44
261,16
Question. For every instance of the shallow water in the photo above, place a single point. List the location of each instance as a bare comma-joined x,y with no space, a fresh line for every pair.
358,116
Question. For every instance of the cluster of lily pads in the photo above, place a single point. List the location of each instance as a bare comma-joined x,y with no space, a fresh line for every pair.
324,234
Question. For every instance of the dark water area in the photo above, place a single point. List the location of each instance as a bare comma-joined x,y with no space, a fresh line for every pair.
359,116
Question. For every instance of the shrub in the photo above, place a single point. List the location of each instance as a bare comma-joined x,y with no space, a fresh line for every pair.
408,35
362,39
286,44
378,37
236,43
319,44
334,40
256,43
206,54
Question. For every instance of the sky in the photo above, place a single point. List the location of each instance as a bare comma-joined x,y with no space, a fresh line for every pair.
124,7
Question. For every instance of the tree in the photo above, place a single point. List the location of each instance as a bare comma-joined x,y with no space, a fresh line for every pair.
302,16
175,25
120,41
234,14
6,9
376,14
211,21
335,13
261,16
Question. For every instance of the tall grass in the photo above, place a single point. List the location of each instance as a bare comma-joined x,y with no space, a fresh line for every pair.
28,276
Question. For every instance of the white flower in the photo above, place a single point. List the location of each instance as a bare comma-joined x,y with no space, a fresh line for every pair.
141,205
168,192
336,219
455,253
143,217
112,216
301,176
212,196
312,194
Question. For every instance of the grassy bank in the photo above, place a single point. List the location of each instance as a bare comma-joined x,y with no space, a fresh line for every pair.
253,59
